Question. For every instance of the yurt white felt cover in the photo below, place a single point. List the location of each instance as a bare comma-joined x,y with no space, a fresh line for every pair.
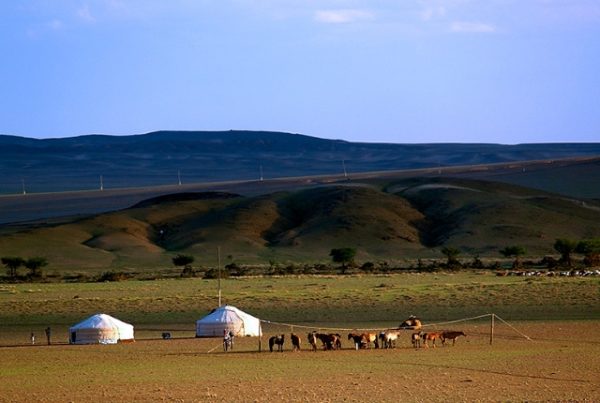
100,329
227,318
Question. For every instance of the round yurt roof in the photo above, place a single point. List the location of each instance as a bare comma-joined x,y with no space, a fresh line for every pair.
227,318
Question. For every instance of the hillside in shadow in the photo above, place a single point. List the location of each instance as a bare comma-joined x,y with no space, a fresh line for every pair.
168,157
384,220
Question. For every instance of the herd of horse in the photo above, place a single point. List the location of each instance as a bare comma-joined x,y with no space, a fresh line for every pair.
384,339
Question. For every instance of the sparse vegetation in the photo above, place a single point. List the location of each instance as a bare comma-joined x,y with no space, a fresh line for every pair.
566,247
514,251
112,276
12,264
451,254
185,261
590,248
344,256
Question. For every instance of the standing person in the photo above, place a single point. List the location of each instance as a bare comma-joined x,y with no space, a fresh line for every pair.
32,337
48,334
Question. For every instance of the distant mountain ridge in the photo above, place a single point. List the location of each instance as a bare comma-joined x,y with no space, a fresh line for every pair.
165,157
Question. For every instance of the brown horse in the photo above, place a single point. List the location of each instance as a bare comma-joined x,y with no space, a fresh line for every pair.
330,341
295,342
279,339
431,336
412,322
451,335
371,338
360,341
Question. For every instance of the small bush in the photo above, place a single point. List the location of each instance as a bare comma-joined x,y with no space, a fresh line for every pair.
477,263
234,270
187,271
112,276
549,262
368,267
592,260
214,273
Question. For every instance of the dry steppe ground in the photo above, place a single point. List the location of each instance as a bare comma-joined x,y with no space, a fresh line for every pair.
548,351
560,363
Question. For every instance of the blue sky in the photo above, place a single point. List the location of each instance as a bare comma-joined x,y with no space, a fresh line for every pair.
402,71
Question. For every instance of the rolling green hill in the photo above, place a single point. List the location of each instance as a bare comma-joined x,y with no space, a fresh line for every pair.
385,219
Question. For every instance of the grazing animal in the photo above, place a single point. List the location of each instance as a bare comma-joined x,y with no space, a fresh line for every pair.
451,335
415,339
432,336
312,340
295,342
166,336
279,339
338,341
371,338
389,338
330,341
412,322
360,340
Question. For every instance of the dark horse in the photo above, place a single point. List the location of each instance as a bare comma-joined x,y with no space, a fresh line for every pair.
277,340
295,342
312,340
330,341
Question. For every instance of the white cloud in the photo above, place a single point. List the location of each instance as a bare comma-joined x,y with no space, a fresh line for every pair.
55,25
343,16
430,13
85,14
477,27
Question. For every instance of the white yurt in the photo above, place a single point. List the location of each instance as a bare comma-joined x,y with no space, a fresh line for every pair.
100,329
228,318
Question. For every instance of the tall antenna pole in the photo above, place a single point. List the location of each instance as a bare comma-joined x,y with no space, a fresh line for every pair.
344,166
23,183
101,183
261,173
219,270
179,177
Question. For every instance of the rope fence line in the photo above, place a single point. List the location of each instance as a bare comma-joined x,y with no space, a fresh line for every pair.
317,327
492,315
513,328
457,320
214,348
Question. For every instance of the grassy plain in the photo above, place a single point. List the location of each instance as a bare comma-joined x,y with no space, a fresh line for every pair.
560,362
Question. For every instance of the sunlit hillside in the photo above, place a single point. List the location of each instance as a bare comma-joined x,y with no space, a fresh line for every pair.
383,219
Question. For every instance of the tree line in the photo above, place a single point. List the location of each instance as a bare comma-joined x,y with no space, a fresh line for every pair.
35,266
345,257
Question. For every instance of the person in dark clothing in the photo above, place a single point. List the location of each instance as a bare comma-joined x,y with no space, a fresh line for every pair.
48,334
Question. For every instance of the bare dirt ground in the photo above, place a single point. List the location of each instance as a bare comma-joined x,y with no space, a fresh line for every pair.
561,362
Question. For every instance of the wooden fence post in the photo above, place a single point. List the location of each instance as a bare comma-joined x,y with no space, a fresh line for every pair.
259,337
492,329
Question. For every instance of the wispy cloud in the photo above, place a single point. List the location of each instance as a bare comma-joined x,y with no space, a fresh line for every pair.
343,16
84,14
430,13
55,25
475,27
